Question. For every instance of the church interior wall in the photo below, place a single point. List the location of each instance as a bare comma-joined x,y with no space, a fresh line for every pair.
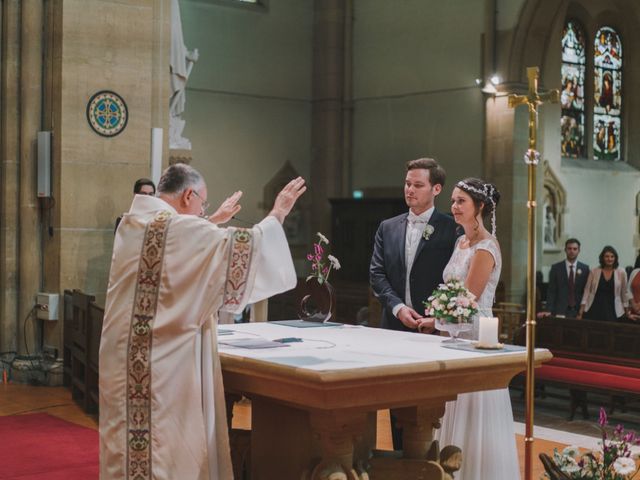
248,107
414,89
97,172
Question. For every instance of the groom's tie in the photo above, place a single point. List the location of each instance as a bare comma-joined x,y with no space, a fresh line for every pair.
572,288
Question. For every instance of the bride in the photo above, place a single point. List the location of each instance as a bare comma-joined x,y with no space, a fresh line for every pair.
480,423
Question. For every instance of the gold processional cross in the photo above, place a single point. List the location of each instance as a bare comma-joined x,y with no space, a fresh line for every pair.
533,99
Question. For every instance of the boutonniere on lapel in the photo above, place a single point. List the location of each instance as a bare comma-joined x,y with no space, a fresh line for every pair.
428,231
578,272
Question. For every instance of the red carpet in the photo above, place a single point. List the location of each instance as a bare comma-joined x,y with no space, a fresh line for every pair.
39,447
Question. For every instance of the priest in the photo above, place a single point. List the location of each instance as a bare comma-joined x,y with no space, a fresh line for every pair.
162,409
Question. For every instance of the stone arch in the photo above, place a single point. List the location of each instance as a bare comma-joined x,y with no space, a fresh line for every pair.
534,43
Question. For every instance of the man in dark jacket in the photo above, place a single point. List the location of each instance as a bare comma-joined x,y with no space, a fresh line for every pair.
412,249
567,280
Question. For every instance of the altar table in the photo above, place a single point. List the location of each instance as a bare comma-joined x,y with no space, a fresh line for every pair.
312,400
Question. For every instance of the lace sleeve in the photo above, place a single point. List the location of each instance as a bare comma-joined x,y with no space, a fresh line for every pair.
491,245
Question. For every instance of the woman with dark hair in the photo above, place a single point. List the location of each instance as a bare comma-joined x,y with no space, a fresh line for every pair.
480,423
634,292
143,186
605,295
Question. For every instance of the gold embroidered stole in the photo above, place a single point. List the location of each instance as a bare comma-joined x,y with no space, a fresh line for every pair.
145,303
238,268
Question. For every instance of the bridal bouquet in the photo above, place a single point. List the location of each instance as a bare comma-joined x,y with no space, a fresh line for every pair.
451,302
616,459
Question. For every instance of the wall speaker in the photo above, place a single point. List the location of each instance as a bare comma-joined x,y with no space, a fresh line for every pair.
44,164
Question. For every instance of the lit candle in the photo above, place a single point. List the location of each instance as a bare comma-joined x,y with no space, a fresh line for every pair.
488,331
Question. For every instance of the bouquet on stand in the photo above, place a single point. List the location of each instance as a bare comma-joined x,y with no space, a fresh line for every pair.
453,306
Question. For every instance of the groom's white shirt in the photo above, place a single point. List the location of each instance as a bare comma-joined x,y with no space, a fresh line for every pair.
415,227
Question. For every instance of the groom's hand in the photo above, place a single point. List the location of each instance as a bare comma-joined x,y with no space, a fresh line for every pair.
409,317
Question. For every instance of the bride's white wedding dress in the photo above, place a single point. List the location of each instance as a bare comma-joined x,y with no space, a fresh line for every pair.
480,423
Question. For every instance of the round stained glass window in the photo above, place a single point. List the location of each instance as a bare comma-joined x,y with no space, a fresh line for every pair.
107,113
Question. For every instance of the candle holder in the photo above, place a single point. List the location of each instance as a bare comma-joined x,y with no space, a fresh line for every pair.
488,346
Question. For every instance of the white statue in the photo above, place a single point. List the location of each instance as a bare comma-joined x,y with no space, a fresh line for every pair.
549,229
181,63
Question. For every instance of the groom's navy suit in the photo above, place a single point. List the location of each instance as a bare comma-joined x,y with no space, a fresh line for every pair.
388,270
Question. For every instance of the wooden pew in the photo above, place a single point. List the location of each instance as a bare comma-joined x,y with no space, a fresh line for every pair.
81,343
590,356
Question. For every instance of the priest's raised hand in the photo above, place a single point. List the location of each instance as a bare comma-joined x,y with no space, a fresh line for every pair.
227,209
287,198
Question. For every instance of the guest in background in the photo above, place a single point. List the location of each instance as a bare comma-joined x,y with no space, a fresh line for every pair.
634,292
143,186
605,295
567,280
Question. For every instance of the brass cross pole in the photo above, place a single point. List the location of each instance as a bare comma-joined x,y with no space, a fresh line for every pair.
533,99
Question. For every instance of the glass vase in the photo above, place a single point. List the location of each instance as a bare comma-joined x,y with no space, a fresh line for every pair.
318,302
454,329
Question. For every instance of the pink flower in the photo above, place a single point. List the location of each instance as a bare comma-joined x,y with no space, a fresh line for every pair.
321,267
603,417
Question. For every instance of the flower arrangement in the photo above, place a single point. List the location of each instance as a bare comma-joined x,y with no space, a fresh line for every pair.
321,267
616,460
451,302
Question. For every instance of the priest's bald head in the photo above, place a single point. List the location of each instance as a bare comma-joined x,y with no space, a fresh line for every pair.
184,188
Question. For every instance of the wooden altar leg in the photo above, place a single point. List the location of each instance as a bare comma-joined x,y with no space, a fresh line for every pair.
417,437
337,433
417,425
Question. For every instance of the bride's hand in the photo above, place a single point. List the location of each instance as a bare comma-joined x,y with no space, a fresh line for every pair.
426,325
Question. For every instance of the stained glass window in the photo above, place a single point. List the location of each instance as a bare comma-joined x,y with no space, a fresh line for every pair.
607,84
572,96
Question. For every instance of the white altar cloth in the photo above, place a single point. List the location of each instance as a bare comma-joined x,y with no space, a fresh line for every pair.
344,347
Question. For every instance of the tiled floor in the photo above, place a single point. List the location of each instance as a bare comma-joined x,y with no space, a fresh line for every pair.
20,399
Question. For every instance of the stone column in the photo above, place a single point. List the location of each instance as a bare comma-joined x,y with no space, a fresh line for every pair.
30,122
160,91
9,173
330,83
505,145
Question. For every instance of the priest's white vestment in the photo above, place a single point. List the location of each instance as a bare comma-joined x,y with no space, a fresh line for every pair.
162,409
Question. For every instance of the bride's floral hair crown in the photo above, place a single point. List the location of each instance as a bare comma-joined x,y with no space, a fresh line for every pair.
487,193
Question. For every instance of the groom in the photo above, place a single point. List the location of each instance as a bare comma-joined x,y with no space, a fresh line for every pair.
412,249
409,255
